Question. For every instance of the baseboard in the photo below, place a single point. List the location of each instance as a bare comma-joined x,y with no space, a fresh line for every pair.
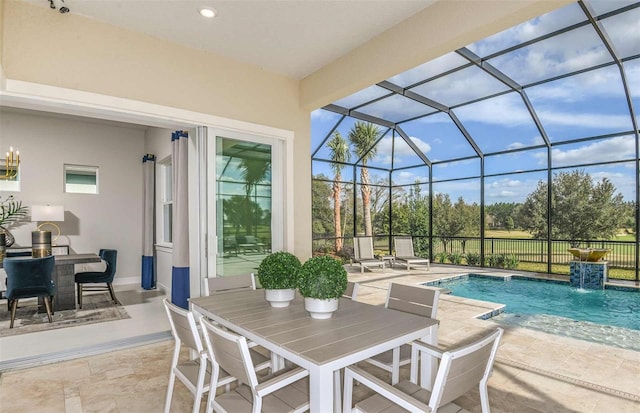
126,280
34,361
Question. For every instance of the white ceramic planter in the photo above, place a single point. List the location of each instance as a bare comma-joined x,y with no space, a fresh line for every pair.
321,309
280,298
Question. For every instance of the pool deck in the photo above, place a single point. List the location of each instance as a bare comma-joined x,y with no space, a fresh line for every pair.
534,371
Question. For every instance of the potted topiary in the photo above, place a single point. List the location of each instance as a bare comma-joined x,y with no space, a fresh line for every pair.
278,275
323,280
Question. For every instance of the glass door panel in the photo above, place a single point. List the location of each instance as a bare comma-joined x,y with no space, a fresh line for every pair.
243,205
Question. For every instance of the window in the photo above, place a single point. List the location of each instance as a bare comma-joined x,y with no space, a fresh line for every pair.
80,179
165,185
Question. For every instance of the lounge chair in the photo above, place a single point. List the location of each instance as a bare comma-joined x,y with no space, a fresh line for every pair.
460,371
363,253
405,254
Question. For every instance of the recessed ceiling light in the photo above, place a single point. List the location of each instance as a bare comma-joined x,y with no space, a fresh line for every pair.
208,12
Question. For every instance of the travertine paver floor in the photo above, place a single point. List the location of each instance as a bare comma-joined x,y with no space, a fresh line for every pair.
534,372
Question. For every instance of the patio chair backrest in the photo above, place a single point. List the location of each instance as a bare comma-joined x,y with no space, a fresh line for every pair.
352,290
463,368
363,248
230,352
183,327
413,299
224,284
403,246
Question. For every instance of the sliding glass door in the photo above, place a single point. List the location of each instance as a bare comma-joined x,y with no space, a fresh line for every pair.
242,196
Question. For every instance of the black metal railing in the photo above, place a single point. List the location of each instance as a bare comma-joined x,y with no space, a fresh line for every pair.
621,255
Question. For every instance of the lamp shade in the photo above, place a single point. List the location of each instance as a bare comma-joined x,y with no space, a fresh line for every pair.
47,213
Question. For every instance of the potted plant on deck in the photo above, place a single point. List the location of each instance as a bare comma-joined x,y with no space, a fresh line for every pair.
323,280
278,275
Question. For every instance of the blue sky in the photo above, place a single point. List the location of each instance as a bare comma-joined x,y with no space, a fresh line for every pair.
590,104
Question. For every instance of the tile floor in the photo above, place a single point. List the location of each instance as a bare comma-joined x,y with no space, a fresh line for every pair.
534,372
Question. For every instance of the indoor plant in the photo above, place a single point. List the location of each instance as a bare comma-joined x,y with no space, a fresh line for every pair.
323,280
11,211
278,275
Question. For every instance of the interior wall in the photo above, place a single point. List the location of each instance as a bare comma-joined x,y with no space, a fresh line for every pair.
110,219
74,52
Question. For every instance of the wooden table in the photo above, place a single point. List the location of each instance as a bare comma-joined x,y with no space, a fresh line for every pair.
63,276
356,332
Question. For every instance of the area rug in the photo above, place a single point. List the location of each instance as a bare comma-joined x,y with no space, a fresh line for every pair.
96,308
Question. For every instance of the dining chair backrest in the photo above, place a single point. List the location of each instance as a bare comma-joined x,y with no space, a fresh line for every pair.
223,284
463,368
352,290
413,299
363,248
230,352
29,277
110,257
403,246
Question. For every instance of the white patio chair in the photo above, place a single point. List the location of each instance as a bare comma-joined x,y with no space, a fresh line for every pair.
224,284
351,293
404,253
352,290
231,283
460,370
193,373
287,391
412,299
363,253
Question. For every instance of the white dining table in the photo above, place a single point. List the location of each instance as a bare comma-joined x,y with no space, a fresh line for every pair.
356,332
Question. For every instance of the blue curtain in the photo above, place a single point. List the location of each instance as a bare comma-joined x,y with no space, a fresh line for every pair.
180,291
148,281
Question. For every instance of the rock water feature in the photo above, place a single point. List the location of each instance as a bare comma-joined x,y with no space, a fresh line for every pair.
587,270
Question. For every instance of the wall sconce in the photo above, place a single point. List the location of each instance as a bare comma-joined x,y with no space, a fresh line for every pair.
11,164
48,213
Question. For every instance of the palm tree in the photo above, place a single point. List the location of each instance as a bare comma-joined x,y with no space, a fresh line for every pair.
253,172
363,136
339,150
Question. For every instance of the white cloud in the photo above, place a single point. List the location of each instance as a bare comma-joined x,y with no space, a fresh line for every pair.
506,110
622,147
407,177
567,52
510,183
402,150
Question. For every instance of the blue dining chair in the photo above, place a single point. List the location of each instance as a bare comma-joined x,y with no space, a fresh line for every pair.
28,278
92,277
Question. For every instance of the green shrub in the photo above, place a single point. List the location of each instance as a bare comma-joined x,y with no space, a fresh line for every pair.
442,257
323,278
455,258
511,261
473,259
279,270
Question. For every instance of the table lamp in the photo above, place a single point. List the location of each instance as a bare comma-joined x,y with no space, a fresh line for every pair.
46,214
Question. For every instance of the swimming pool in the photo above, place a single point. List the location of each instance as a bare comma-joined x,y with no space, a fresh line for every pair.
608,316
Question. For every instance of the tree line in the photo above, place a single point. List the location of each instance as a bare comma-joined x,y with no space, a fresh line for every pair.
581,208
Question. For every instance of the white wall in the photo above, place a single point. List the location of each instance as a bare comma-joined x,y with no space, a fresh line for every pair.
110,219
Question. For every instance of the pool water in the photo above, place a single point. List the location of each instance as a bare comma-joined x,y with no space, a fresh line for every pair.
603,316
